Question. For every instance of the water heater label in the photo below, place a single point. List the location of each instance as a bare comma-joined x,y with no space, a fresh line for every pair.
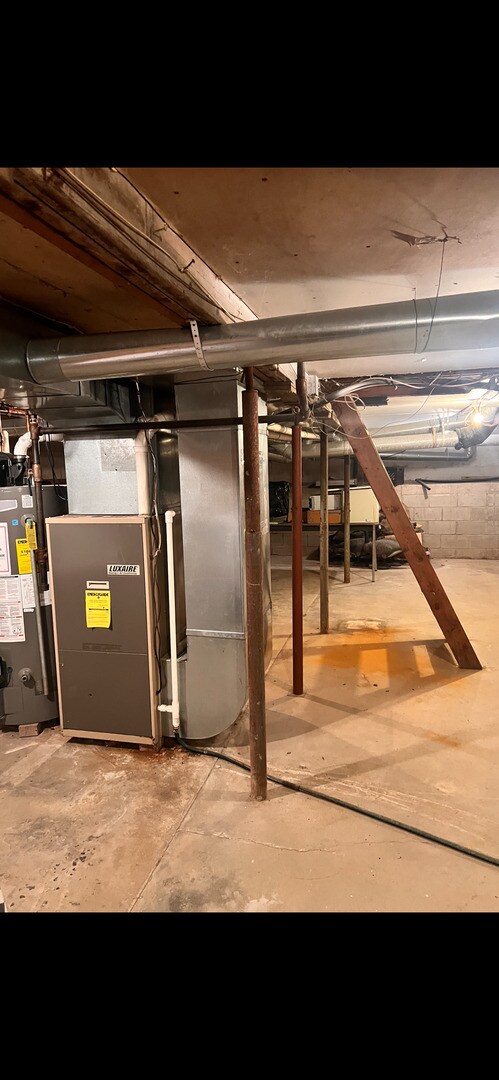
4,549
123,568
11,610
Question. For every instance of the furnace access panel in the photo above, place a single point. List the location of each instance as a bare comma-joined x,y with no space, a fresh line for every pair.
106,608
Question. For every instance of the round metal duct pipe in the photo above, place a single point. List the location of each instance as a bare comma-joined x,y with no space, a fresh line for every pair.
469,321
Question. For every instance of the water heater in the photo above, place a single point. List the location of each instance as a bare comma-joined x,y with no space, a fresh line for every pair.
22,701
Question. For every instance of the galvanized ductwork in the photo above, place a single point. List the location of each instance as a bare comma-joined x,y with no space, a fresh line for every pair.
469,321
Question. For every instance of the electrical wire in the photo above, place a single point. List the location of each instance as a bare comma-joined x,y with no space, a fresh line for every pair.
443,242
372,434
393,822
57,485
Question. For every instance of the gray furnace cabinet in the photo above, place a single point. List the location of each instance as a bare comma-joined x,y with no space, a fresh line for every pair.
108,675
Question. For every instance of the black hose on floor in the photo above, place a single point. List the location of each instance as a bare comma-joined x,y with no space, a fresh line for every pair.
412,829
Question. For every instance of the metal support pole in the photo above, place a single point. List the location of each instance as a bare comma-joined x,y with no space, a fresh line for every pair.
301,390
375,555
297,563
41,554
324,537
254,592
346,518
39,627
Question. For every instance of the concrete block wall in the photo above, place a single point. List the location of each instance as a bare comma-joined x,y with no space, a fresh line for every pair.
460,521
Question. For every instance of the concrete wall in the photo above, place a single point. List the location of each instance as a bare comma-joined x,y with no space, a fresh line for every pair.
459,520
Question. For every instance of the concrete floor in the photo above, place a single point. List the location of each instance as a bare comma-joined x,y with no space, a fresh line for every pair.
387,721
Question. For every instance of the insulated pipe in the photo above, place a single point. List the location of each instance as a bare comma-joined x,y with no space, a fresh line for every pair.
340,448
466,321
278,430
142,473
444,423
24,442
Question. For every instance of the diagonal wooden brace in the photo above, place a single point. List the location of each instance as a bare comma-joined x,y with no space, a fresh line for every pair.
416,556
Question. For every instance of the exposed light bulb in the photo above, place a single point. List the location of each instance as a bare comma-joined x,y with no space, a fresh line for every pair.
477,417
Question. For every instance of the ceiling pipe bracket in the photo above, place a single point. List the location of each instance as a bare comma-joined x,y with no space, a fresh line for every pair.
198,345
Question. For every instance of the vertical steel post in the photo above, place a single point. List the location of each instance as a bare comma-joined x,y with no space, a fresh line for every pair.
297,562
254,592
324,536
41,553
346,518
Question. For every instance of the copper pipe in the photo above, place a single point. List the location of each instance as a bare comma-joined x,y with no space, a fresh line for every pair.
297,563
13,410
324,537
254,592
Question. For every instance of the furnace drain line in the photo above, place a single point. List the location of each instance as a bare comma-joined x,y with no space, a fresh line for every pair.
412,829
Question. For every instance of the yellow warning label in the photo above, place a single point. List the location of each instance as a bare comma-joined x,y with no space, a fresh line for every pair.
23,559
98,608
31,536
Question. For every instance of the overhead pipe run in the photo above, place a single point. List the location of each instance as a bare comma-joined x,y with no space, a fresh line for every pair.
464,436
466,321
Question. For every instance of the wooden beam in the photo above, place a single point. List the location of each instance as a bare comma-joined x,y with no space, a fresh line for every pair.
102,216
416,556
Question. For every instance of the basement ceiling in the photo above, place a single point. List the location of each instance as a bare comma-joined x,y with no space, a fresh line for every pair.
275,241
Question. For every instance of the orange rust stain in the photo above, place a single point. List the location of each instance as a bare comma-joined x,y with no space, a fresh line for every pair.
375,652
444,739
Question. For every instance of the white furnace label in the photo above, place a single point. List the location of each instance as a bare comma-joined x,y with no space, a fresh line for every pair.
123,568
11,610
27,501
4,549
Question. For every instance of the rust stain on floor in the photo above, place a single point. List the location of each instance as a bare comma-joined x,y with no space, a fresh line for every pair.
379,652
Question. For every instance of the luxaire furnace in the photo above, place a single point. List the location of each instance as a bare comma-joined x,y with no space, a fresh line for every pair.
111,594
109,626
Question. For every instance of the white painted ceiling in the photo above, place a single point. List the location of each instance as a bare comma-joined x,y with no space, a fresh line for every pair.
297,240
